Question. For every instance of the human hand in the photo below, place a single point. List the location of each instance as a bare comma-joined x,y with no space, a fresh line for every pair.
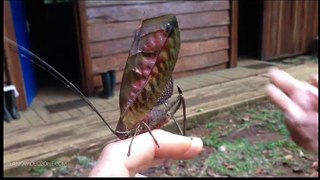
113,160
299,101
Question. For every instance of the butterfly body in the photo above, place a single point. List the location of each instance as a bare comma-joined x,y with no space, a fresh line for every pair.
147,79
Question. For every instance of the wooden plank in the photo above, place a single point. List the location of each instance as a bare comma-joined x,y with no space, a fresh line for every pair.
98,81
238,73
224,75
5,72
107,49
115,62
64,115
199,47
98,3
274,24
289,36
71,125
201,61
54,117
34,118
270,28
279,29
205,33
100,30
296,22
315,19
300,24
234,34
83,43
110,105
138,11
37,102
265,30
75,113
304,24
207,79
184,63
199,71
313,23
16,125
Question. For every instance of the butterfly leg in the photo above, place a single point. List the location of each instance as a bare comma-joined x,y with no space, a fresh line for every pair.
149,130
171,110
174,119
134,135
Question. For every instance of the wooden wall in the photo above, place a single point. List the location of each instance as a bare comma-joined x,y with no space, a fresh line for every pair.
204,29
6,80
5,74
289,28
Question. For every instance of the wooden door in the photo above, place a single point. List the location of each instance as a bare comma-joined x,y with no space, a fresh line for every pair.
289,28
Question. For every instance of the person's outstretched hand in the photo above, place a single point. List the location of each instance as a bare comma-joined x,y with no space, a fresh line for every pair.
113,160
299,101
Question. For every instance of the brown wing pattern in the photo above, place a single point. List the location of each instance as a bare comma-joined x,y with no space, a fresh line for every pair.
149,68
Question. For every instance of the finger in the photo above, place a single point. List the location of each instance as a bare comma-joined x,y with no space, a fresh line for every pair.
284,81
304,134
144,152
172,146
139,175
314,80
302,93
307,97
280,99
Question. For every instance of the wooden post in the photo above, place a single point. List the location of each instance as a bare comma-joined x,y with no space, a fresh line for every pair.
15,76
83,44
234,34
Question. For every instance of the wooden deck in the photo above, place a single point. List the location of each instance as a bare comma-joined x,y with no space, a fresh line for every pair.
40,135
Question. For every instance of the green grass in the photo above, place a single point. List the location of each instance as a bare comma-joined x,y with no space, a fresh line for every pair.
274,122
38,170
214,140
84,161
63,169
241,158
269,120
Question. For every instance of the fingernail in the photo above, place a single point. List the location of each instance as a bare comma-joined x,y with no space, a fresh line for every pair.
269,87
272,71
196,146
196,141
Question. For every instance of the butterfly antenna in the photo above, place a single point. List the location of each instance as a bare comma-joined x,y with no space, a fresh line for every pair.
45,66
